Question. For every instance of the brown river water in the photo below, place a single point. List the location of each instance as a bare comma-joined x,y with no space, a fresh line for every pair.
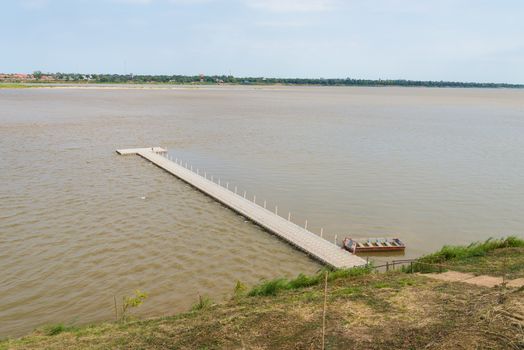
80,224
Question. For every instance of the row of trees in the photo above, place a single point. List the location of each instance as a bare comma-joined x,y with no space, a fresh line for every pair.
228,79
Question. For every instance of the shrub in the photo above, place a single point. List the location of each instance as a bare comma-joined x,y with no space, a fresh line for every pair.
132,301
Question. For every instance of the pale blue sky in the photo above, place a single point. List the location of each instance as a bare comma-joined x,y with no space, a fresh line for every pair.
460,40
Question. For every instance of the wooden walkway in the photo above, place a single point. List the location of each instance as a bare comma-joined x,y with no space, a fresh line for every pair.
314,245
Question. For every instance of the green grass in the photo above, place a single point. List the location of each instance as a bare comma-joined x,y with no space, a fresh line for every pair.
353,290
202,304
464,255
274,286
54,329
13,86
380,285
507,262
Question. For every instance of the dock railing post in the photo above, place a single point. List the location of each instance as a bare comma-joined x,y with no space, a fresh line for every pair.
218,181
254,199
245,192
276,210
289,216
191,168
321,232
235,190
264,204
305,225
335,239
227,185
211,177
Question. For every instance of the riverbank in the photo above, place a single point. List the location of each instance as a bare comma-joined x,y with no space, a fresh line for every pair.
40,77
192,85
15,86
144,86
365,310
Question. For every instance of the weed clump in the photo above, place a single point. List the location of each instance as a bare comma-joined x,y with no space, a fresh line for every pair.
240,289
273,287
202,304
303,280
57,329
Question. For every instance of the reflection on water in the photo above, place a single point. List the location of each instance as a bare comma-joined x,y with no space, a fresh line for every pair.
79,224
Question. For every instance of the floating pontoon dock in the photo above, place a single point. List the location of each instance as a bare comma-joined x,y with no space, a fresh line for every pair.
314,245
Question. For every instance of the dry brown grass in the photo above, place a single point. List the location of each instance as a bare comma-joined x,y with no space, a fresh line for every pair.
384,311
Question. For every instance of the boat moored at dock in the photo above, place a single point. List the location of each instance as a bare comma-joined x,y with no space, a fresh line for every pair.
373,245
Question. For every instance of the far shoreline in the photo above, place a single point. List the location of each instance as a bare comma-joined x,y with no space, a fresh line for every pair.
204,86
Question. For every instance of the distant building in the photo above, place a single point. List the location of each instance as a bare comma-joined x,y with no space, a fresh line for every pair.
22,76
14,77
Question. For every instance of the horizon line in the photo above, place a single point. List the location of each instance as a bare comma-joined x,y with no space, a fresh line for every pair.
368,80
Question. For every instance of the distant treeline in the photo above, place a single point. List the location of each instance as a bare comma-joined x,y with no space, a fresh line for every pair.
228,79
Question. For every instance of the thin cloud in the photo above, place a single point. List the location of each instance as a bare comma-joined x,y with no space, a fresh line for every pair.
282,24
292,5
190,2
34,4
175,2
134,2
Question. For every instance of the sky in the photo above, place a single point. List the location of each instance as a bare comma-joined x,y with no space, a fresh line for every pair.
453,40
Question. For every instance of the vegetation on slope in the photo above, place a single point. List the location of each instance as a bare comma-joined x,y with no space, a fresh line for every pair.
14,86
486,257
272,287
365,310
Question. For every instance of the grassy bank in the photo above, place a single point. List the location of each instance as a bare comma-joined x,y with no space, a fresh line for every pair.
14,86
496,257
272,287
365,310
